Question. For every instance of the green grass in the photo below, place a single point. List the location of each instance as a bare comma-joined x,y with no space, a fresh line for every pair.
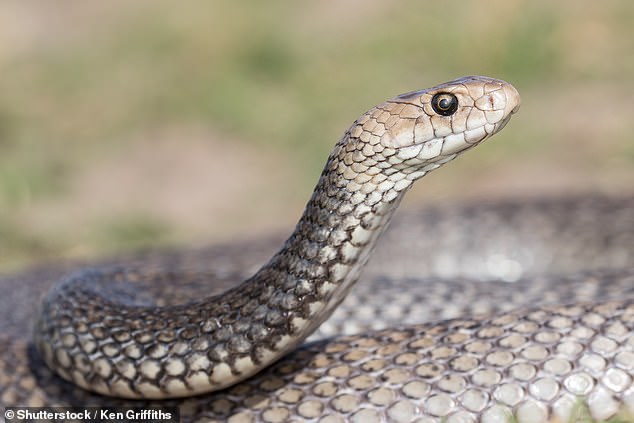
131,231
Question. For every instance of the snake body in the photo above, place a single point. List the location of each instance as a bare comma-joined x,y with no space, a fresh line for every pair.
100,329
133,350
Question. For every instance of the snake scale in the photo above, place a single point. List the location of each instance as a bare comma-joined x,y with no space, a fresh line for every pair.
176,325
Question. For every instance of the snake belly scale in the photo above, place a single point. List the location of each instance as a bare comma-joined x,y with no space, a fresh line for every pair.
99,329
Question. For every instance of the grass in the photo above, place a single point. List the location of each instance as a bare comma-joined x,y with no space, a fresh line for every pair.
284,77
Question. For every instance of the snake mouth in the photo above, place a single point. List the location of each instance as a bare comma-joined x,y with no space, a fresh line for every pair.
505,121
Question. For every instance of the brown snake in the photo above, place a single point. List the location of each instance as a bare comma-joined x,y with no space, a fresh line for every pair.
100,329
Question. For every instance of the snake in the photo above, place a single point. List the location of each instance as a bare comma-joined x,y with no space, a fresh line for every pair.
120,333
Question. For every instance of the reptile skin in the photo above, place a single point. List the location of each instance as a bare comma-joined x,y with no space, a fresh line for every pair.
103,328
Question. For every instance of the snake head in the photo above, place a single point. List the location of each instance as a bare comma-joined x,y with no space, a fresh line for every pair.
414,133
453,115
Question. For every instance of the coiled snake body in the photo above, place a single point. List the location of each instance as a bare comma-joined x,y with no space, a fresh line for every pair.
102,329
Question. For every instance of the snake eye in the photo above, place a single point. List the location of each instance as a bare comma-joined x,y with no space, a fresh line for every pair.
444,104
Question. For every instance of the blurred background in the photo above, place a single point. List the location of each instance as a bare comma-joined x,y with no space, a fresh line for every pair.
128,125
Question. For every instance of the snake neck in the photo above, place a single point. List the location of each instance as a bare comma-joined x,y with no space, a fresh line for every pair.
322,259
240,331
